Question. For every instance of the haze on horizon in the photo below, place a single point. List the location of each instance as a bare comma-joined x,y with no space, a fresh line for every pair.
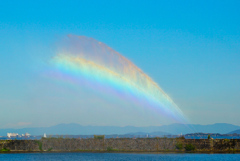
191,49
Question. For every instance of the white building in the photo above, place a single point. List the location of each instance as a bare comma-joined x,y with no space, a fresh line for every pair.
44,135
12,134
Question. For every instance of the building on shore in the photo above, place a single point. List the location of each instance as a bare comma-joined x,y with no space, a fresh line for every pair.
9,135
12,135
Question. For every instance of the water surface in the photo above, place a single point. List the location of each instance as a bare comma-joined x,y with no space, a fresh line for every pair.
117,156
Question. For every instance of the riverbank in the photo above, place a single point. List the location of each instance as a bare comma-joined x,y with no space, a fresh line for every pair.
122,145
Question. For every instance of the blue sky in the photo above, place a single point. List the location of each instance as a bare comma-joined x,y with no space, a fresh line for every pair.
190,48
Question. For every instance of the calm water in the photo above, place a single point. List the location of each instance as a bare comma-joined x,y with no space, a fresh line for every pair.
117,156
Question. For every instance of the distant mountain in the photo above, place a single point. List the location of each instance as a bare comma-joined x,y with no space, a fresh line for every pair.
76,129
159,133
156,133
222,128
235,132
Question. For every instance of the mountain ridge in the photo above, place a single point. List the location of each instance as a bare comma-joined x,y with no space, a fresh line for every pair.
77,129
235,132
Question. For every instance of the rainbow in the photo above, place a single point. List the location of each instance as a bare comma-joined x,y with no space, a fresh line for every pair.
85,59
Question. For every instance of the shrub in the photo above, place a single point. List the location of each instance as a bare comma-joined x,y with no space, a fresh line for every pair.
234,143
4,150
189,147
209,137
99,136
109,148
39,145
50,149
181,137
179,146
227,140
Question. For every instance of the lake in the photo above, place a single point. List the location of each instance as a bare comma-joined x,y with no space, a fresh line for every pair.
117,156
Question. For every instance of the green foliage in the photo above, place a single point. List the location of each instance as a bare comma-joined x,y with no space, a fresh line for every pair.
39,145
99,136
227,140
181,137
50,149
189,147
179,146
4,150
234,143
209,137
110,148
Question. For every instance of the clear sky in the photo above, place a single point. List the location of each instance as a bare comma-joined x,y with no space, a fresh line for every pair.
190,48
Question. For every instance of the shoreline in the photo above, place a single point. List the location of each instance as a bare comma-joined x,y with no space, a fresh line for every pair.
135,152
121,152
123,145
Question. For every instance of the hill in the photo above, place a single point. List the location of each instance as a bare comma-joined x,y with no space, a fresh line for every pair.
235,132
76,129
